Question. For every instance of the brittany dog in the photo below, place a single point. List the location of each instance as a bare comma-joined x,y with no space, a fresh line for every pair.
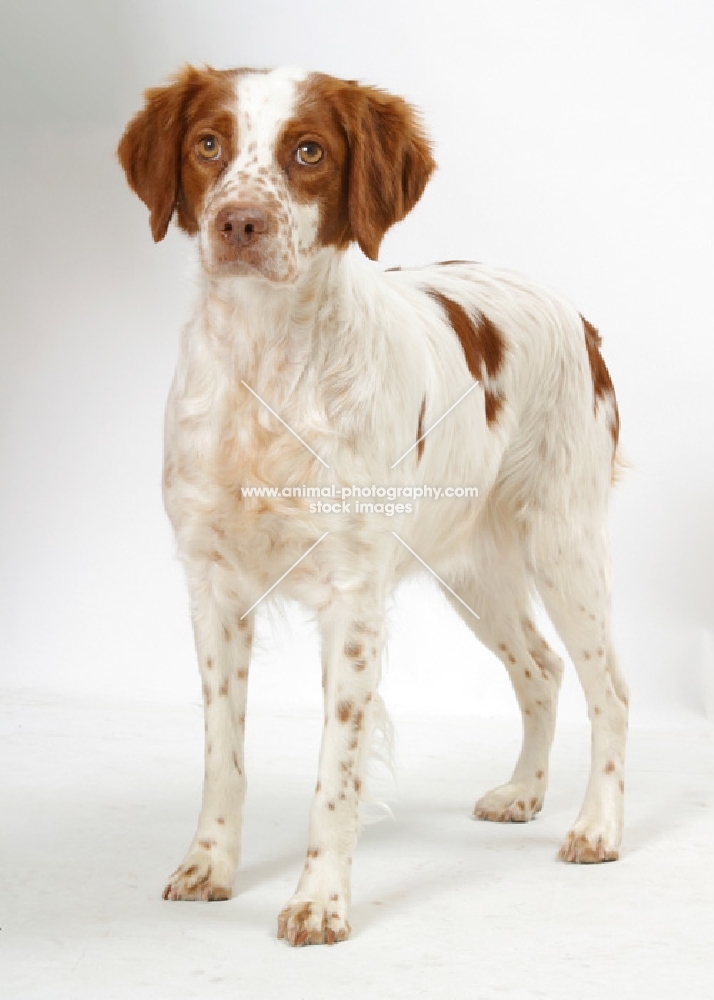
305,371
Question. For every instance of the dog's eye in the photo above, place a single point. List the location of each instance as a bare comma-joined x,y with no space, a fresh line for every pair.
208,148
309,153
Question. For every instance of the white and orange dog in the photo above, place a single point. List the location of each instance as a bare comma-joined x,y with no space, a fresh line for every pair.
305,364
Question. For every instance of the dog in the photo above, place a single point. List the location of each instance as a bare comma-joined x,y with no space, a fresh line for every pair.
306,372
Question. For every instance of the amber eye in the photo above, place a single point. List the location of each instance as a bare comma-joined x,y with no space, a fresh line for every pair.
309,153
208,148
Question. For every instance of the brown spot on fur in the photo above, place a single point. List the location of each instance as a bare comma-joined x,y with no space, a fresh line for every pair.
226,633
359,665
539,775
377,159
221,821
493,404
482,343
207,694
622,787
596,710
241,673
357,721
602,383
364,629
503,647
609,767
358,785
331,806
209,663
207,844
511,658
236,763
521,804
314,852
528,674
420,430
533,803
334,897
344,711
223,689
353,649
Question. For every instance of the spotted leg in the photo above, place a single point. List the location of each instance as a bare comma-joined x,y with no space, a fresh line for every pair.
319,910
223,646
505,627
576,592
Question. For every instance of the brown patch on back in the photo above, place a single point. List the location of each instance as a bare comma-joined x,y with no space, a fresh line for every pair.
376,164
482,343
420,430
602,383
157,150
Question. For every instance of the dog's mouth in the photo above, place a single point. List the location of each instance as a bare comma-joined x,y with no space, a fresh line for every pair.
253,265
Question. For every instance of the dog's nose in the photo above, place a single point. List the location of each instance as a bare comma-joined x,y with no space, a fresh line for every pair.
240,224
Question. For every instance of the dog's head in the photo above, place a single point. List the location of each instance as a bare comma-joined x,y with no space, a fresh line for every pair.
268,167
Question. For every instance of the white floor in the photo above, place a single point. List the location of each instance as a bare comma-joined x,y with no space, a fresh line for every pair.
99,800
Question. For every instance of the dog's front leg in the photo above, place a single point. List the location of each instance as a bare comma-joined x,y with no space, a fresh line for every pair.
318,912
223,645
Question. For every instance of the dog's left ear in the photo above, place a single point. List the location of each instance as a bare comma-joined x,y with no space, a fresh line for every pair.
390,162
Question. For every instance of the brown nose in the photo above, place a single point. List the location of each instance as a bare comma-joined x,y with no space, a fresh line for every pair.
240,224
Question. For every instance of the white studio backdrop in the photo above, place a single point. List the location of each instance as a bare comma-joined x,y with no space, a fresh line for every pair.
575,143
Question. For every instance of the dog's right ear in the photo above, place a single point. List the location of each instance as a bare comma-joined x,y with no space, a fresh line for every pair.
150,149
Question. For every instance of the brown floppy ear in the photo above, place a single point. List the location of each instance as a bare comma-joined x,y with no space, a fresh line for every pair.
390,163
150,149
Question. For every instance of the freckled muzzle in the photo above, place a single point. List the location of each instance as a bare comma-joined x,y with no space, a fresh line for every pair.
244,237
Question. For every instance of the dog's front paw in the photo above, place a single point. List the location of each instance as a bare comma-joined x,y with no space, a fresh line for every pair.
512,803
304,921
584,846
201,876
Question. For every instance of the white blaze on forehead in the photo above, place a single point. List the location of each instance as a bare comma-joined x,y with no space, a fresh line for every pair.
265,101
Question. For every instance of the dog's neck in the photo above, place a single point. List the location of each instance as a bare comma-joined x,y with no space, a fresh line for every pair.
258,325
